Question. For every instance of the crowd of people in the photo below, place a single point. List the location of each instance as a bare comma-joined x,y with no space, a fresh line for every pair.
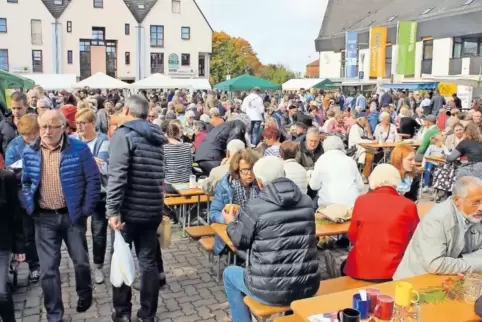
279,158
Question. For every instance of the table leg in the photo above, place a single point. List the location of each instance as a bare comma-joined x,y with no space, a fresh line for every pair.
184,214
198,208
369,157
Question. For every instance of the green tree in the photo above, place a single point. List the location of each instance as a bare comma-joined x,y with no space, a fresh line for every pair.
276,73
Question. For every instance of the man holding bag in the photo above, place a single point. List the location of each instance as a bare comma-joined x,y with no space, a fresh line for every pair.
135,201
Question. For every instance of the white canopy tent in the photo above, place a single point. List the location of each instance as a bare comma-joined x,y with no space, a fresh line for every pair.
163,81
296,84
102,81
53,81
196,83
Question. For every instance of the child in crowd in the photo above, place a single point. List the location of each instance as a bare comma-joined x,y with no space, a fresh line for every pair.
436,148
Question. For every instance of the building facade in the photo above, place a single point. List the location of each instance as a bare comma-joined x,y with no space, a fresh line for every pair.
126,39
449,36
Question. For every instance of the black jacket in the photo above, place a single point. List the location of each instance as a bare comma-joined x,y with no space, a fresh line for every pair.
11,228
136,173
8,131
408,126
308,158
213,148
279,230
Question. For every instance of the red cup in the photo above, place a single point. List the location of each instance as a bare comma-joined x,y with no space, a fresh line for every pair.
373,294
384,308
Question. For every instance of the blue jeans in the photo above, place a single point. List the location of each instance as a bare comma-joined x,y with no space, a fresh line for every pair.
255,130
235,291
428,173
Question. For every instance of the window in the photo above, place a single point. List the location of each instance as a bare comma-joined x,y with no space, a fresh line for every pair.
202,65
111,58
157,63
186,33
127,58
157,36
3,24
127,29
4,59
176,6
58,2
70,57
467,47
37,61
11,1
84,59
98,3
185,59
98,36
36,31
427,49
141,6
69,26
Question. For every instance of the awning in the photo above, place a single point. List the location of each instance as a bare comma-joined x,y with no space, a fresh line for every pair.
306,83
102,81
410,86
247,82
53,81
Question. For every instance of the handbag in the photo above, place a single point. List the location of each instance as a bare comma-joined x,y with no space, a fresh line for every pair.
164,232
335,212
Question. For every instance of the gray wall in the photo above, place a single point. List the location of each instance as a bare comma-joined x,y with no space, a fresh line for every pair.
448,27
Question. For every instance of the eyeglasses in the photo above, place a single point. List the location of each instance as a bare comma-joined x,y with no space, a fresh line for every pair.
50,127
151,116
245,171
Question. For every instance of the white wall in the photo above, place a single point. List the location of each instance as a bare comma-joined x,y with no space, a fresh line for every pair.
113,18
18,38
442,52
418,59
190,16
330,64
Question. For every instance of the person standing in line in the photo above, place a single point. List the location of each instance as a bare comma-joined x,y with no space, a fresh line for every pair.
61,187
135,201
8,126
98,144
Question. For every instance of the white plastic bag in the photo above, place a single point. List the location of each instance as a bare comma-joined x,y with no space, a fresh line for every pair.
122,268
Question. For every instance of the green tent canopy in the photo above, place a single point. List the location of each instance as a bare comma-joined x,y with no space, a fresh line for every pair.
9,80
247,82
326,84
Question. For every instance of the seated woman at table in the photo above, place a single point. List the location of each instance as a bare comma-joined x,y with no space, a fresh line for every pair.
271,141
471,149
237,187
337,125
177,158
403,159
385,131
381,227
455,136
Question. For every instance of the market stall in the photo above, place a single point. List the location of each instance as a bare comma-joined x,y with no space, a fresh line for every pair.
51,82
247,82
102,81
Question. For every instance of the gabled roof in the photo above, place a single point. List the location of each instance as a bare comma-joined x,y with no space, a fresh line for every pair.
315,63
202,13
56,9
140,8
358,15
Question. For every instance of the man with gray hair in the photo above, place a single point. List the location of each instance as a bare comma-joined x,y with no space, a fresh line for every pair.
135,201
210,183
448,239
278,229
43,105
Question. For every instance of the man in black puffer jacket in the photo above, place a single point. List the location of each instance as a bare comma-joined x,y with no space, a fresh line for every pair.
278,229
135,199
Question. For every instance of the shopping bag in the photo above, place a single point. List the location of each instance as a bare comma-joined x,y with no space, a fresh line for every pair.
164,232
122,268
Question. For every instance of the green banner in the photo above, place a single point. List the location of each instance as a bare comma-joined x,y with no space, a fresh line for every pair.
407,41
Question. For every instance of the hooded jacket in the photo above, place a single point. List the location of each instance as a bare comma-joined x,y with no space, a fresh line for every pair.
279,230
213,148
8,131
136,173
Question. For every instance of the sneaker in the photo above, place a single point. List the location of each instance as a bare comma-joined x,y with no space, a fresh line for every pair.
425,189
34,276
120,318
84,304
162,280
141,319
98,276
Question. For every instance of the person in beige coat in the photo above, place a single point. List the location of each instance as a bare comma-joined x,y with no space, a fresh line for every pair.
454,139
209,184
448,239
293,170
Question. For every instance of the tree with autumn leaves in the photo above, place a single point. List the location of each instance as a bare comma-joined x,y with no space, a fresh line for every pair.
235,56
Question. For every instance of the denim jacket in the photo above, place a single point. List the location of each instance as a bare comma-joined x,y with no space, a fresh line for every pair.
224,195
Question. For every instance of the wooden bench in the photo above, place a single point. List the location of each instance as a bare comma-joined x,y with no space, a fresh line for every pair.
207,244
334,285
196,232
288,318
186,200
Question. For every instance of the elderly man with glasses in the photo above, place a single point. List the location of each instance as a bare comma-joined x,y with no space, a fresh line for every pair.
61,187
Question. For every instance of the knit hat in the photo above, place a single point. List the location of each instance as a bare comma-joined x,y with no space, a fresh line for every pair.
69,112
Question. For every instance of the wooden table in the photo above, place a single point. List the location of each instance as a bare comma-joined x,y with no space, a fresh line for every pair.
449,311
188,193
220,231
388,145
435,159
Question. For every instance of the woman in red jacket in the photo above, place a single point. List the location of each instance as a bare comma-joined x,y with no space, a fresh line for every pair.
382,225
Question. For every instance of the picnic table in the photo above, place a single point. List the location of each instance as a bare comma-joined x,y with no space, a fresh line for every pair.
447,311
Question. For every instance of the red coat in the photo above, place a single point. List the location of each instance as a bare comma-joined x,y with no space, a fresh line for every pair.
382,225
442,120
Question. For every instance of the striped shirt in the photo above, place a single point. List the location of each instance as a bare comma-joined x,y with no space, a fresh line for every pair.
272,151
178,158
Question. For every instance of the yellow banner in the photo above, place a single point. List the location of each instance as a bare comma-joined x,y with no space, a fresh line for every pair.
447,89
378,43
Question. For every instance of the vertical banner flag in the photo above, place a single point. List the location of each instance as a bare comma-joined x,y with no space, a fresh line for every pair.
378,43
407,40
351,54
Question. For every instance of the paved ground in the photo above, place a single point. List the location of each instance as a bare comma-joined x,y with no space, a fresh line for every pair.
192,293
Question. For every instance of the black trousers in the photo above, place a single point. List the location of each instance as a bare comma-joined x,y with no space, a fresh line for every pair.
50,230
146,245
6,303
207,166
30,247
99,233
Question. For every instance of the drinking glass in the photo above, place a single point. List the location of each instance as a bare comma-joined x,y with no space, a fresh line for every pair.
472,287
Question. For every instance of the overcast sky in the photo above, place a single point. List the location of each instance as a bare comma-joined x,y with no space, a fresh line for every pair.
280,31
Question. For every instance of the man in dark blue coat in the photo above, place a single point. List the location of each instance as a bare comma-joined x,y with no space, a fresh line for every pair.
61,187
135,201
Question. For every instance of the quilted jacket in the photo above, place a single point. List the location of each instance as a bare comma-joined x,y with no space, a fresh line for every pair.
79,177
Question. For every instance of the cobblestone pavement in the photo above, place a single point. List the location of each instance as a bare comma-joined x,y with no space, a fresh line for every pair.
192,293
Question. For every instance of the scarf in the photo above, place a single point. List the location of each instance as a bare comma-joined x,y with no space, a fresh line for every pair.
241,195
